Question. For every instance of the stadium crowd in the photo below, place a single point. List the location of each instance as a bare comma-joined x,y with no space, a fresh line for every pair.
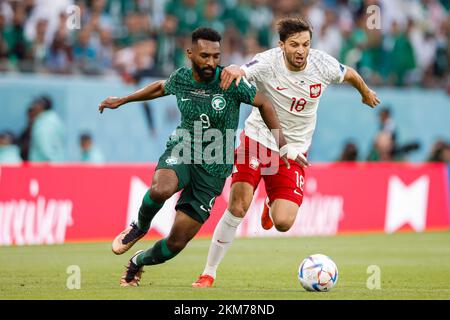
129,37
145,38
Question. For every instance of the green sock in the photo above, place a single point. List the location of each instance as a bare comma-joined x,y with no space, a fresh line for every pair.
159,253
147,212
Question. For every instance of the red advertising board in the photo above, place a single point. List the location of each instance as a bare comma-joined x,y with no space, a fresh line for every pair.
54,204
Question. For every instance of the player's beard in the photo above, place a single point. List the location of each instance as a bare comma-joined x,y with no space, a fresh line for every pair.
206,77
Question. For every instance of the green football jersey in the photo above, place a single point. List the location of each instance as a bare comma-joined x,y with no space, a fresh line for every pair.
209,119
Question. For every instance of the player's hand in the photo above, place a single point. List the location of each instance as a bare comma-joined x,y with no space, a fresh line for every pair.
230,73
370,98
289,152
110,103
285,159
301,160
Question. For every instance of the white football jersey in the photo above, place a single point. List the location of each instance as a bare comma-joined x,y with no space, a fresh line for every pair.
295,95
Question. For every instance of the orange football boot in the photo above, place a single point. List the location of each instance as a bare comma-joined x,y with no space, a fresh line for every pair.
266,221
204,281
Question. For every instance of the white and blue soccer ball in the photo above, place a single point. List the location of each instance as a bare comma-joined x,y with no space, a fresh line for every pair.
318,273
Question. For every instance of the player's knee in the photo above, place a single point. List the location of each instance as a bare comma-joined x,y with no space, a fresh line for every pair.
160,193
283,224
176,244
238,208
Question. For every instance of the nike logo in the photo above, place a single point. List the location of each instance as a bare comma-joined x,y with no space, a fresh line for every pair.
296,192
223,242
185,99
281,88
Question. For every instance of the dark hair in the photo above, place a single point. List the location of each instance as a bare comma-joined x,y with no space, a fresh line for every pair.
205,34
386,110
290,26
85,136
45,101
7,134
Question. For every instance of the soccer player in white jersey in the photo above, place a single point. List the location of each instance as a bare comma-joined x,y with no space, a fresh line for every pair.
293,77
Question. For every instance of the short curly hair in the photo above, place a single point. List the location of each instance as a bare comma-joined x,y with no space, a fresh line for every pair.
292,25
205,34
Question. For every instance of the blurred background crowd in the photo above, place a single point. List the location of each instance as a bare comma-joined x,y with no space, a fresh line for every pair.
135,39
149,37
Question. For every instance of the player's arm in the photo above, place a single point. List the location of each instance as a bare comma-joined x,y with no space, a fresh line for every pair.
254,70
152,91
369,96
269,115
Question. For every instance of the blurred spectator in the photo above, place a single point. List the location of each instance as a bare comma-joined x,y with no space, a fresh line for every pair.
14,37
49,10
400,55
187,12
445,156
329,38
170,50
382,148
84,54
440,152
386,123
349,152
212,16
40,46
25,136
104,49
137,29
89,152
9,153
60,57
47,133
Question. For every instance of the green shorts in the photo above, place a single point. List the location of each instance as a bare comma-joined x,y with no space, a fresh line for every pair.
200,188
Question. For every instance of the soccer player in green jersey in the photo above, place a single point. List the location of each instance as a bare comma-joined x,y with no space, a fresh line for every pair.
185,164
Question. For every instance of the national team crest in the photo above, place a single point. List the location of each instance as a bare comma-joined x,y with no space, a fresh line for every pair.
218,102
254,163
315,90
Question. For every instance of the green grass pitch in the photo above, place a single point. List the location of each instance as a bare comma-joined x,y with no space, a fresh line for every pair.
413,266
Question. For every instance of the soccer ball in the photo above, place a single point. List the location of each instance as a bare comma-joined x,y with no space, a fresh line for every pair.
318,273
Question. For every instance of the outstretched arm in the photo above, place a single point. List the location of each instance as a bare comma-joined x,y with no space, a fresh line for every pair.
369,97
270,118
152,91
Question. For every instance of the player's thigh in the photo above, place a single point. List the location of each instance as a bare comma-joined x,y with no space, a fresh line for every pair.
184,228
165,179
287,184
241,195
171,174
247,165
198,198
